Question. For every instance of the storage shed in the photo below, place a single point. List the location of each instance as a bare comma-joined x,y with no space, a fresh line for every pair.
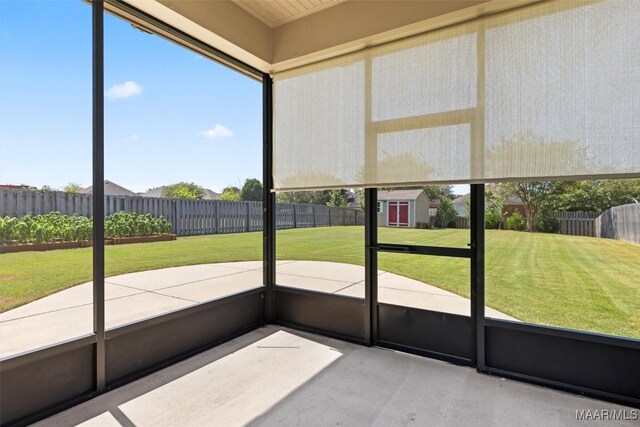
403,208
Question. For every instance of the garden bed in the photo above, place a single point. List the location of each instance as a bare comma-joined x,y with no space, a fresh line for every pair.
24,247
140,239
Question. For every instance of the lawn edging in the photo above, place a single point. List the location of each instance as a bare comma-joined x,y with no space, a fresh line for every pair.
39,247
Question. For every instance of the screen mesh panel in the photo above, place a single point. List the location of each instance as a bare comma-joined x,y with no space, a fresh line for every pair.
547,91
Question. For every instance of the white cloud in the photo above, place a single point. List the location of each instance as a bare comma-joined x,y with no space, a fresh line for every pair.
124,90
131,138
218,131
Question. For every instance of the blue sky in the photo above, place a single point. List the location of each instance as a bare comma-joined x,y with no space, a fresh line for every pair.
170,114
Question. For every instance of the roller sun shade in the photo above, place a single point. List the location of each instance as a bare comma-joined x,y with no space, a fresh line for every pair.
550,91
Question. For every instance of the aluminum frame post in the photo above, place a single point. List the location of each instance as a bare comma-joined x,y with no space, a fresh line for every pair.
371,265
268,198
97,10
477,273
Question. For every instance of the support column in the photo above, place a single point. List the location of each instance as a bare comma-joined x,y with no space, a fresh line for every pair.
371,265
98,190
268,198
477,272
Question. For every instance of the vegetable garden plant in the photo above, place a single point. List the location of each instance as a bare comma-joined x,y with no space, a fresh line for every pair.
56,227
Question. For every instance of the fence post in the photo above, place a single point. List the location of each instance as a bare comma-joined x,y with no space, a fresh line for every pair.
215,217
59,202
313,212
176,218
295,217
248,221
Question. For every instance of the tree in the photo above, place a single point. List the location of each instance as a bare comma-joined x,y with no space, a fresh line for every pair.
359,192
532,194
318,197
47,188
445,213
337,198
437,192
525,148
183,190
494,208
230,194
251,190
72,187
592,195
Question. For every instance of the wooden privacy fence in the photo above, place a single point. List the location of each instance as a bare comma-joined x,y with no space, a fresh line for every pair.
188,217
571,223
462,222
577,223
289,215
620,222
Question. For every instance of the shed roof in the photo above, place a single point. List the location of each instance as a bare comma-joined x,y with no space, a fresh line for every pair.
400,195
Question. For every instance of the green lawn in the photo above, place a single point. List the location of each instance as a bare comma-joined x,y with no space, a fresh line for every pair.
572,282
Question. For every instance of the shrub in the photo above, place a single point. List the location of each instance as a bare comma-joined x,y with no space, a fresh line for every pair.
516,222
5,232
546,222
445,213
493,219
183,190
21,230
129,224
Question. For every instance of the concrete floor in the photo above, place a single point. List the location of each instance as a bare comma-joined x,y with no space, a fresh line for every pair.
280,377
133,297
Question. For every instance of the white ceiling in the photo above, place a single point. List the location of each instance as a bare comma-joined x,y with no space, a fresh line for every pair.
279,12
276,35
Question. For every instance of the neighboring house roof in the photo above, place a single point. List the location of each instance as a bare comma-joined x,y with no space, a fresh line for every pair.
152,192
13,187
400,195
157,192
110,189
353,202
462,200
210,195
514,201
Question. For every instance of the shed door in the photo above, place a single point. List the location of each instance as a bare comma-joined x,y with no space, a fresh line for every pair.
398,214
403,214
393,214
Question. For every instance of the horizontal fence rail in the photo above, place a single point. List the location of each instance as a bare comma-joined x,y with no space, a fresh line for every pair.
188,217
620,223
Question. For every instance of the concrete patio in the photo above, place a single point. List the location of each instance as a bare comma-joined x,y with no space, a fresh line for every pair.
132,297
278,376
